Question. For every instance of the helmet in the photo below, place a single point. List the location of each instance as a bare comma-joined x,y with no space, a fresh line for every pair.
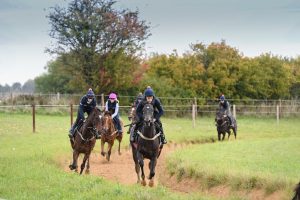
140,95
112,96
149,92
222,97
90,93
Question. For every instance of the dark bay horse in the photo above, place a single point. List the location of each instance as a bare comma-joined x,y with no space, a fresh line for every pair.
297,192
223,125
147,146
85,140
109,134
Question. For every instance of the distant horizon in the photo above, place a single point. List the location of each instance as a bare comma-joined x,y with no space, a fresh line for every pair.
254,28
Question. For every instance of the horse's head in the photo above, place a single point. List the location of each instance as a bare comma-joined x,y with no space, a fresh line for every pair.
148,113
107,121
220,117
93,120
132,113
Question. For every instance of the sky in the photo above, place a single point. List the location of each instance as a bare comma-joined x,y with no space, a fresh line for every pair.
254,27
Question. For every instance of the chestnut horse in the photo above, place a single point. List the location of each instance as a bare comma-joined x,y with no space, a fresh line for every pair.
147,146
85,139
109,134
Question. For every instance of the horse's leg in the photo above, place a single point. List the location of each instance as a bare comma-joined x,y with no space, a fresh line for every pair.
219,136
136,163
108,151
234,131
141,163
119,149
223,136
74,164
87,171
153,162
102,148
86,156
229,133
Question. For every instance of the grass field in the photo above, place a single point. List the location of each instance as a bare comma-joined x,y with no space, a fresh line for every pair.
265,156
29,167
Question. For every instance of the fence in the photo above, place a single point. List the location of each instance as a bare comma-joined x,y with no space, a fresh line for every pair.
193,111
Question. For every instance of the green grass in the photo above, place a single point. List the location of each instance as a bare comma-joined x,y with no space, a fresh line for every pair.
29,165
265,155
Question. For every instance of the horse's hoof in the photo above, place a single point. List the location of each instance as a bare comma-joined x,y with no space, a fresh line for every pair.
120,153
87,172
103,154
107,158
143,183
151,183
72,167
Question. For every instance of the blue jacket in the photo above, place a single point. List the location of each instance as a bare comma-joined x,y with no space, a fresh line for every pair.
87,106
158,109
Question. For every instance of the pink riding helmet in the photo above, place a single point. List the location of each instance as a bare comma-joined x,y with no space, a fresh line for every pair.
112,96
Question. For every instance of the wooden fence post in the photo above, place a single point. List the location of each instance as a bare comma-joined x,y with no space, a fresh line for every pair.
195,103
33,118
102,101
71,113
194,116
234,111
277,114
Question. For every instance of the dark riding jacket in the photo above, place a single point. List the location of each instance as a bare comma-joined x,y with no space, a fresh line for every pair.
158,109
85,106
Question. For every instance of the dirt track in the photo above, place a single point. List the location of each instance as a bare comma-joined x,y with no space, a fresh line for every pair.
120,169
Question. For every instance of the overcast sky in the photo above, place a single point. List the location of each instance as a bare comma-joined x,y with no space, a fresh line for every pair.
254,27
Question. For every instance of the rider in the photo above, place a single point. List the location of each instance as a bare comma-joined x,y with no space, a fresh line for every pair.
225,106
112,105
87,104
158,112
138,99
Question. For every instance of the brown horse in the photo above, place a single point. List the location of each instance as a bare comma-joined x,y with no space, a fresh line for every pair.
109,134
85,140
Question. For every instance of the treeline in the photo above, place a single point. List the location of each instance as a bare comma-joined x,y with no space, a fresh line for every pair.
98,46
204,71
27,87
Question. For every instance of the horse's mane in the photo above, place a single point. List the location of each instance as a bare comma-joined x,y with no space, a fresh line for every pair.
91,116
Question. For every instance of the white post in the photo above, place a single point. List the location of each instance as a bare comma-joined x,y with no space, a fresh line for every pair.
194,115
277,114
234,111
58,96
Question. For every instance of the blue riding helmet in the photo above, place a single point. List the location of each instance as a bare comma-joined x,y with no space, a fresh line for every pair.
222,98
149,92
90,93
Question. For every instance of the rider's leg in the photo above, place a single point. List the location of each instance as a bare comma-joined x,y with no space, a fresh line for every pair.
162,135
80,118
117,124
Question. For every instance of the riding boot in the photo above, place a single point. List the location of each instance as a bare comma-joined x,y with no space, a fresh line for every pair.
231,122
163,138
133,133
98,136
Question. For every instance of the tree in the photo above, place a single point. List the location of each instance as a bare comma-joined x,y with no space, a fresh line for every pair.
28,86
92,30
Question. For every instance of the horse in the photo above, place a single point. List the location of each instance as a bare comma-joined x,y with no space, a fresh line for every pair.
84,140
109,134
132,117
297,192
223,125
148,146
